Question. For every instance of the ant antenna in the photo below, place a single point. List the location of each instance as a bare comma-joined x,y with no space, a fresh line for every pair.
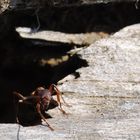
37,17
38,21
136,4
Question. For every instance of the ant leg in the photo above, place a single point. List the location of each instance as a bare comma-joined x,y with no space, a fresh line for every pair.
19,95
41,115
58,94
27,99
66,104
56,89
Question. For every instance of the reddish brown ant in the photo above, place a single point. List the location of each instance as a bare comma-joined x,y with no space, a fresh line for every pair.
42,98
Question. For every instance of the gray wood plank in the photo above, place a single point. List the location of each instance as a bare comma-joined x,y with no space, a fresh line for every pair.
104,106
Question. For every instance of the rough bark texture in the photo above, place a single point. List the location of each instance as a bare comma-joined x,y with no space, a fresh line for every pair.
42,3
104,97
25,4
4,5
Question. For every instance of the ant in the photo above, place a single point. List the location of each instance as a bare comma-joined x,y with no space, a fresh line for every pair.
42,98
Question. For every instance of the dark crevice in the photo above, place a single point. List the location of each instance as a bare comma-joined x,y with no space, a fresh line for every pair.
68,67
108,17
21,71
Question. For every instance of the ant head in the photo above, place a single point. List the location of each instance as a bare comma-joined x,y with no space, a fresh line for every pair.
40,88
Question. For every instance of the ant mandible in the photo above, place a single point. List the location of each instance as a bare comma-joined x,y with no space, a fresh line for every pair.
42,98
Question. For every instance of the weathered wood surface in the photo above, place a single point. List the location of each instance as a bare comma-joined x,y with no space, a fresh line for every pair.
4,4
108,89
42,3
105,98
23,4
78,39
